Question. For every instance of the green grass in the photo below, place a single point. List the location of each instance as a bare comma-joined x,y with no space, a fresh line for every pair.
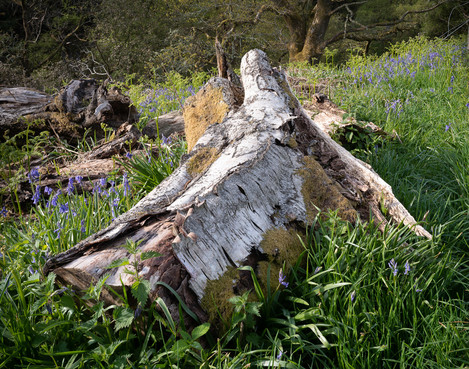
358,297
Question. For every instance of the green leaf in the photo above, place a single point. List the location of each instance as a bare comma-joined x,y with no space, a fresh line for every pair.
123,317
253,308
149,254
141,290
308,314
318,334
118,263
200,330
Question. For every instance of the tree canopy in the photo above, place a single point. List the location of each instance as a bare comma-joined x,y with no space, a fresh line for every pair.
43,40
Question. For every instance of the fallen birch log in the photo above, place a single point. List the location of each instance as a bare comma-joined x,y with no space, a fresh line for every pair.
255,177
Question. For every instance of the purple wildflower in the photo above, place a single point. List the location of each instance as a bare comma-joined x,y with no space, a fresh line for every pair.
406,268
281,278
317,270
103,181
448,127
78,179
37,195
58,230
63,208
138,311
126,185
70,186
55,198
467,105
4,211
115,202
83,229
352,296
279,356
128,155
33,175
393,265
47,190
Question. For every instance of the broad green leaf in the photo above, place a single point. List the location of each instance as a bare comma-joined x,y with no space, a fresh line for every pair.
123,317
149,254
141,290
200,330
118,263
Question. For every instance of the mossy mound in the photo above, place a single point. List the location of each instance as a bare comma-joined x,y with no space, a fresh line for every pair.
201,110
209,106
215,301
321,192
202,160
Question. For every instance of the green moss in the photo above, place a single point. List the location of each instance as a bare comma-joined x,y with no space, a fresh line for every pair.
202,160
201,110
320,192
283,248
216,295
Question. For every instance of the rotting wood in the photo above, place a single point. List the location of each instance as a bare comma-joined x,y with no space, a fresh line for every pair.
209,221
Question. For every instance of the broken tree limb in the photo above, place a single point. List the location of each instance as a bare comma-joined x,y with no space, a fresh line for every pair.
256,175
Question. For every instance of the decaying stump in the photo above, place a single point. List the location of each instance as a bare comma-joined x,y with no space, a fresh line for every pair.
82,104
255,176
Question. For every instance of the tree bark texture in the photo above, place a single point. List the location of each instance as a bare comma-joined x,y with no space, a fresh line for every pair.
260,170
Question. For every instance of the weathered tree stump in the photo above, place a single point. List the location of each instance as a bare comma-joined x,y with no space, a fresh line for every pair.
256,176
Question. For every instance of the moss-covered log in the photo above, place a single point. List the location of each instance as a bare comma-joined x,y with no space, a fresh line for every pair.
256,175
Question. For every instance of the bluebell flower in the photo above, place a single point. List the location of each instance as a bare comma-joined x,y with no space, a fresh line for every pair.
103,181
352,296
63,208
55,198
281,278
4,212
126,185
138,311
48,190
58,230
467,105
78,179
393,265
37,195
33,175
128,155
83,229
279,356
48,308
406,268
70,186
115,202
96,188
447,127
317,269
